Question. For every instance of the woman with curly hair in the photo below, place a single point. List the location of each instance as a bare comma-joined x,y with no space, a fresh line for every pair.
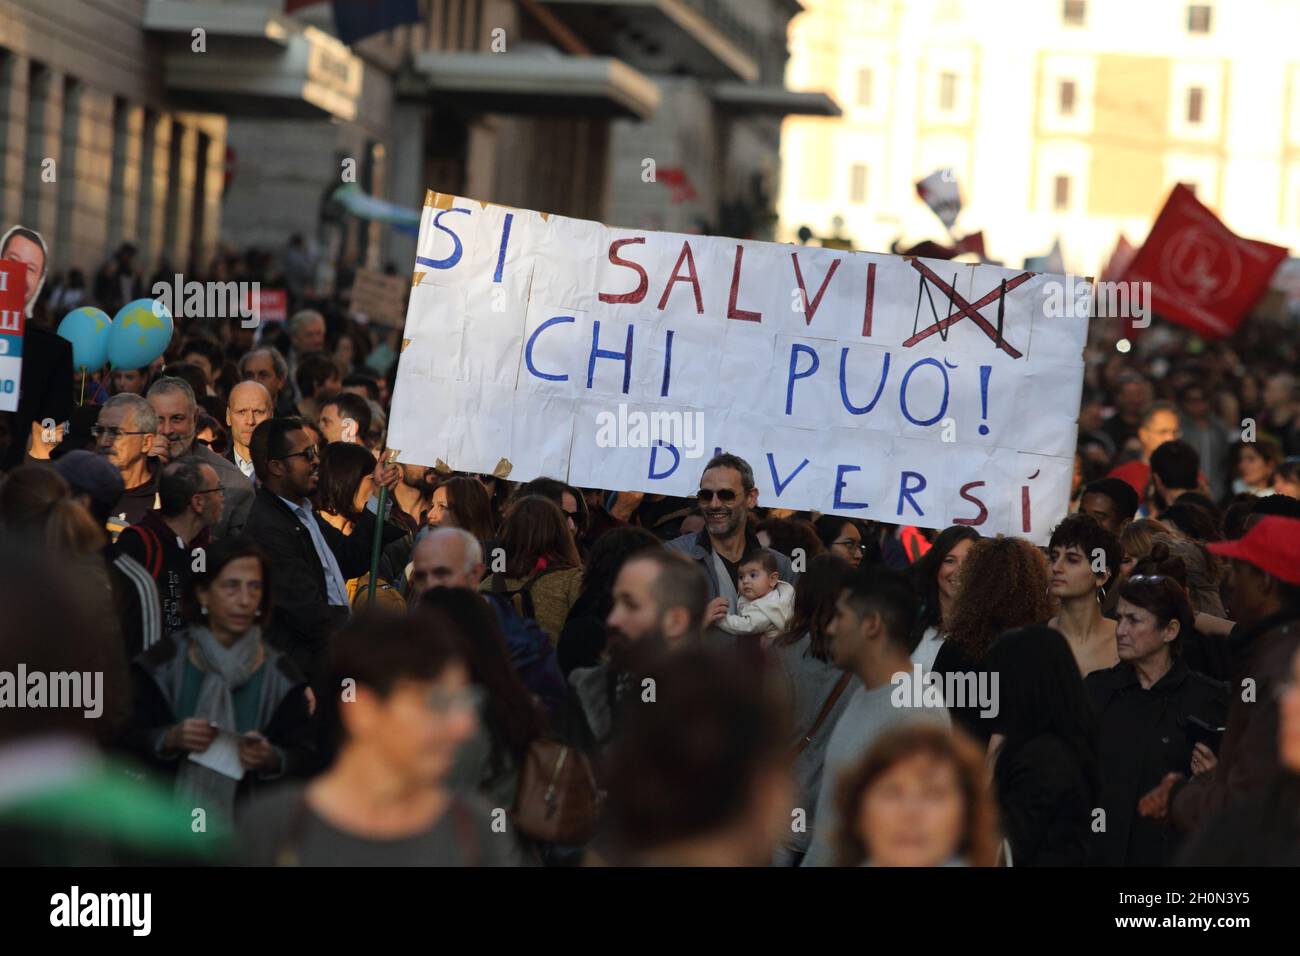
920,797
1002,585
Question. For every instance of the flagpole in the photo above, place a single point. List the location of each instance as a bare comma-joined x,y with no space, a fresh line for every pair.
377,544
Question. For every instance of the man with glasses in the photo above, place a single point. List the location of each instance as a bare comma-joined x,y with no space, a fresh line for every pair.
167,540
1159,424
125,433
311,560
726,497
173,401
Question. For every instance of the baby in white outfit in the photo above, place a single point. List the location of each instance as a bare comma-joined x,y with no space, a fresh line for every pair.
765,603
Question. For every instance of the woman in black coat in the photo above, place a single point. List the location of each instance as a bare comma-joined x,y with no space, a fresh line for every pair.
216,687
1046,770
1148,706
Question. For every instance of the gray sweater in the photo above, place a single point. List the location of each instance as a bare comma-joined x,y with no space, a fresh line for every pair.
809,683
866,717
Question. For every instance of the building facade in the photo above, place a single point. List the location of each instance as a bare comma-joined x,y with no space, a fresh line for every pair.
1067,119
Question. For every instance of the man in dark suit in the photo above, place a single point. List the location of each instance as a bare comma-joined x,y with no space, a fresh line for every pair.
173,400
311,560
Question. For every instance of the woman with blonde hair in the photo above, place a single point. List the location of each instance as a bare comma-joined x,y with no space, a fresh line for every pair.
920,797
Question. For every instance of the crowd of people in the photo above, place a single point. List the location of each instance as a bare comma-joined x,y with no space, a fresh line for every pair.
326,657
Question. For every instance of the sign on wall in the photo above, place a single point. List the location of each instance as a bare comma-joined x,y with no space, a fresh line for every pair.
895,389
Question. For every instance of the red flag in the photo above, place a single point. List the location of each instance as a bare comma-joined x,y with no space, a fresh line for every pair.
1202,275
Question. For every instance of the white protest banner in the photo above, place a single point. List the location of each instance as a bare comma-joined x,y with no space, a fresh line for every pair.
902,390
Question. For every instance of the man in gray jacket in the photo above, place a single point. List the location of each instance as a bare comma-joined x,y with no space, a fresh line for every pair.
173,400
727,496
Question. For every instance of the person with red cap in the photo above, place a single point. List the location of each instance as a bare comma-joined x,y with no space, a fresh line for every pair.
1263,597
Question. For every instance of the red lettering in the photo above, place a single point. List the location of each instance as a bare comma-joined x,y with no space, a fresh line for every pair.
637,294
871,299
980,518
810,308
689,258
1026,524
732,311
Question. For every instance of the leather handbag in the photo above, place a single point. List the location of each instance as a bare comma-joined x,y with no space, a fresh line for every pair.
558,799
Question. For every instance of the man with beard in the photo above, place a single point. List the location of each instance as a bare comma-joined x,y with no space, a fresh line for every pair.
414,495
726,497
660,600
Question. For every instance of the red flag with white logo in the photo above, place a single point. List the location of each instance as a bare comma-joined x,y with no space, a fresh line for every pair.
1203,276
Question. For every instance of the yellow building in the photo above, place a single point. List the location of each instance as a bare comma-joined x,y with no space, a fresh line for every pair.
1059,118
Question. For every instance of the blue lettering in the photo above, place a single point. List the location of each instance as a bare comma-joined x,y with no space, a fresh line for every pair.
776,479
844,390
668,361
677,460
597,352
906,489
795,375
840,503
505,240
528,349
457,249
902,392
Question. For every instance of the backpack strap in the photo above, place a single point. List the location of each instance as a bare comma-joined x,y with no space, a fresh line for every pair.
827,707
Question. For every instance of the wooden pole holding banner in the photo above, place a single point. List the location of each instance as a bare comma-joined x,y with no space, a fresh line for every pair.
377,545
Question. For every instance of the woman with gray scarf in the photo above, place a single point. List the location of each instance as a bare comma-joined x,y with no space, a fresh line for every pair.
215,704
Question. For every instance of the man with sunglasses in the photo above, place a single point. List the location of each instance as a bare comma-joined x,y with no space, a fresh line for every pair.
166,540
726,497
312,561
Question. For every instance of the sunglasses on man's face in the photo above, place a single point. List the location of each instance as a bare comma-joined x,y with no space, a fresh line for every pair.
725,495
310,453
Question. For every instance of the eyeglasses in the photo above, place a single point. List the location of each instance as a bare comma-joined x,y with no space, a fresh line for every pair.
310,453
1152,578
725,495
220,489
445,702
851,544
111,432
577,518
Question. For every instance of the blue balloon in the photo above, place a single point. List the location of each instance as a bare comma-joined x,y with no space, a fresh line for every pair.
87,329
141,332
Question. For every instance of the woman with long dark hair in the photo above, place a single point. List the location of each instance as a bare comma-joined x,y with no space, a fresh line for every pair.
219,677
345,486
583,638
543,568
1045,772
489,761
461,502
935,578
818,690
1155,715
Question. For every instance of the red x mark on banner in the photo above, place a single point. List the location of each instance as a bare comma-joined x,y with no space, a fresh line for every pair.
968,310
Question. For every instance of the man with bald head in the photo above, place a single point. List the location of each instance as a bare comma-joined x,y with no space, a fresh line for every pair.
250,404
447,558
